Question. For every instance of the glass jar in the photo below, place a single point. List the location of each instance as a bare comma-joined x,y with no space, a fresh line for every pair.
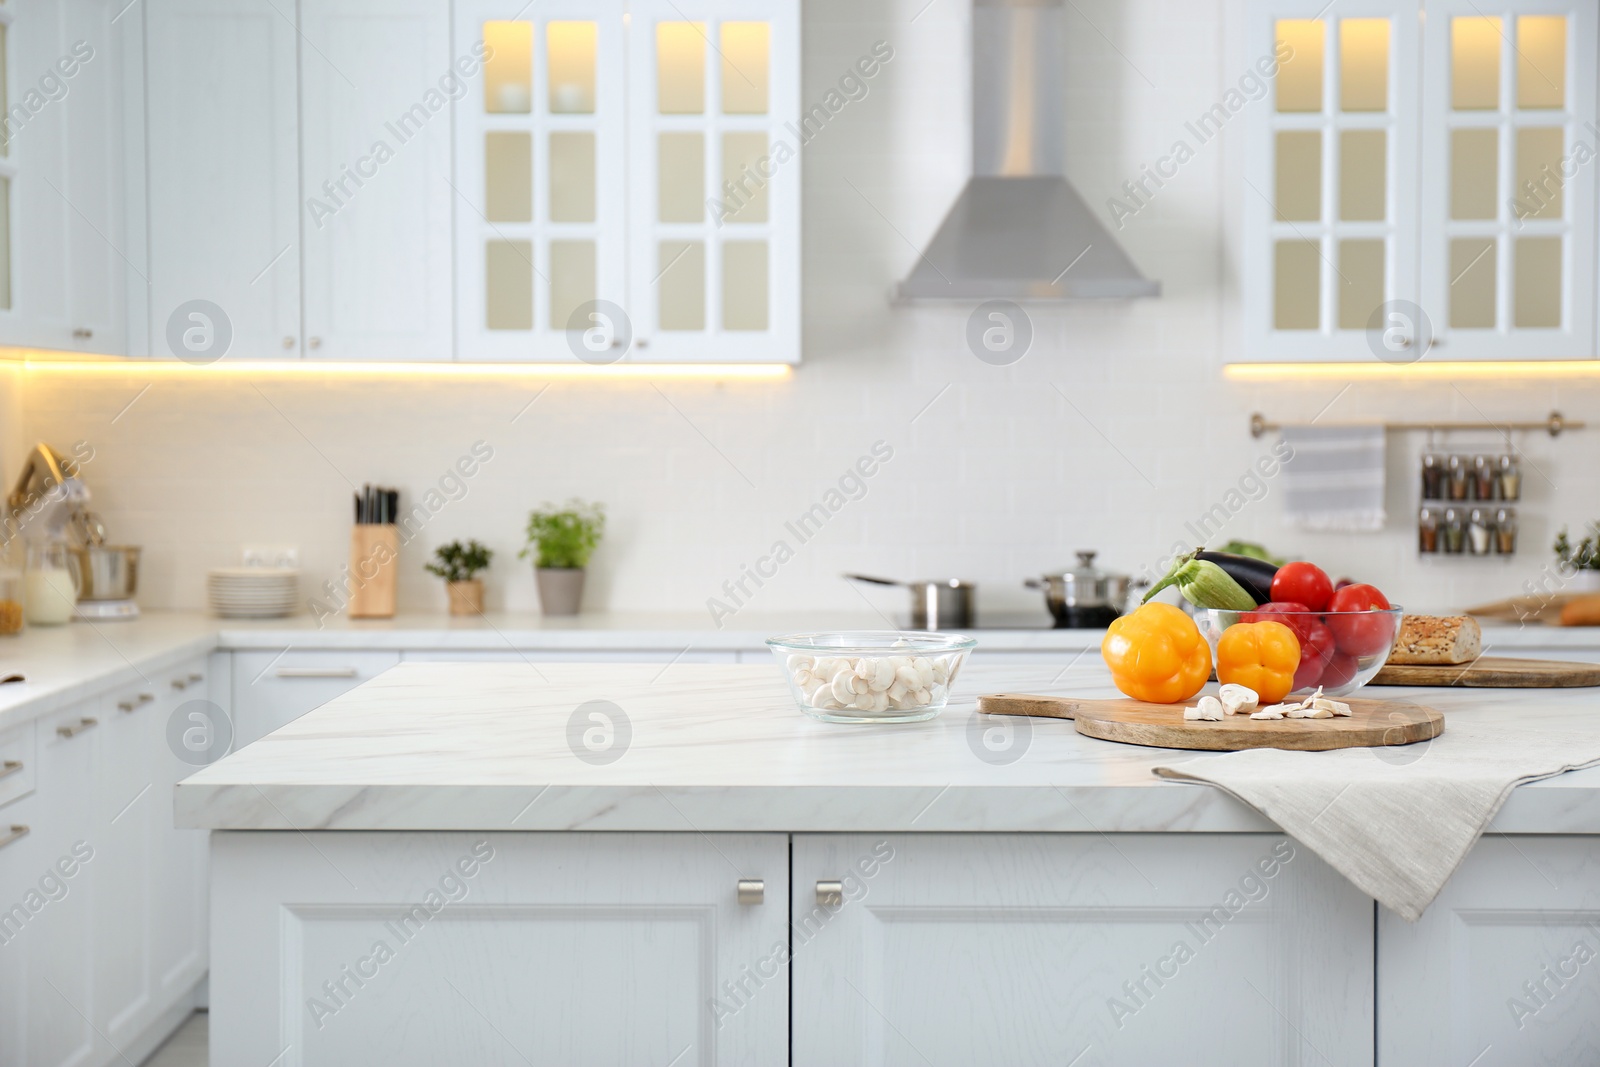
1505,531
1453,534
1480,538
1510,479
1457,477
1433,476
11,562
1485,473
49,584
1428,530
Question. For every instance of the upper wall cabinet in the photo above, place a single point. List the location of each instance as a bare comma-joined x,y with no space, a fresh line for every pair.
68,255
1479,246
629,183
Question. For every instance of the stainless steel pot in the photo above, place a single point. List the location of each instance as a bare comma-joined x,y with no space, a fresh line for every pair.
1084,598
106,572
948,604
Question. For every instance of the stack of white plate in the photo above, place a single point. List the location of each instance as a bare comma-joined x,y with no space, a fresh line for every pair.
252,592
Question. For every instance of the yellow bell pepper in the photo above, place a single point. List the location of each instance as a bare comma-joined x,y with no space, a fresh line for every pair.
1260,655
1157,654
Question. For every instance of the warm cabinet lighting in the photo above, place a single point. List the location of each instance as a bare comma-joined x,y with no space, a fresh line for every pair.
36,362
1441,371
508,74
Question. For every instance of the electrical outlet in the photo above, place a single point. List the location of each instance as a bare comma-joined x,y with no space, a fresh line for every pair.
272,556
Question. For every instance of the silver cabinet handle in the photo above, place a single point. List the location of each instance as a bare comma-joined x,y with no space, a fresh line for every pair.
193,678
315,672
288,342
83,333
77,728
16,833
830,894
126,705
10,767
315,342
145,698
752,890
179,683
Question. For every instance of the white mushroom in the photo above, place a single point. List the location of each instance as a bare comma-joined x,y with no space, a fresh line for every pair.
1238,699
1273,712
1208,710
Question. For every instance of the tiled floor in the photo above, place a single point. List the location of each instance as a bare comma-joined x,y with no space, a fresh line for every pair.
186,1048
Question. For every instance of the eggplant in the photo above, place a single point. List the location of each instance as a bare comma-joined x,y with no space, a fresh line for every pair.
1254,574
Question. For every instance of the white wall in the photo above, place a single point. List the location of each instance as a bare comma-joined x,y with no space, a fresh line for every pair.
998,479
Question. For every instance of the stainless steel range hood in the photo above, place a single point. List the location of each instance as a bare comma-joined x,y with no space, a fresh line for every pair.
1018,231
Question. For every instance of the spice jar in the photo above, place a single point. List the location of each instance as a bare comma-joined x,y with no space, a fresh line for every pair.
1479,540
1510,479
1453,533
1433,476
11,587
1485,475
1428,530
1457,477
1505,531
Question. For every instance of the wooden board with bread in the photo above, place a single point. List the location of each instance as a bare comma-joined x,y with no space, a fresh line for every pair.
1447,650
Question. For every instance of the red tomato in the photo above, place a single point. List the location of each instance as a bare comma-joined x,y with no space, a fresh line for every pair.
1361,634
1286,612
1316,650
1303,583
1340,670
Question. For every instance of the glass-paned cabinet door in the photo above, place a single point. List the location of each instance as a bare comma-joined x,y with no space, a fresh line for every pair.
1508,162
540,182
1329,213
715,139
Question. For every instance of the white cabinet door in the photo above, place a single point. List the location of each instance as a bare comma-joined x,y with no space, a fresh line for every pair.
60,938
223,173
126,810
541,179
1508,204
178,912
498,949
376,81
1073,948
714,180
272,689
1501,967
64,153
1330,193
21,895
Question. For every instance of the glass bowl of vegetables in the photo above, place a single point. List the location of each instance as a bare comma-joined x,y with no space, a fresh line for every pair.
871,675
1340,651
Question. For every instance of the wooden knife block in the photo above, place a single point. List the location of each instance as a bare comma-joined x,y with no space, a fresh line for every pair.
374,569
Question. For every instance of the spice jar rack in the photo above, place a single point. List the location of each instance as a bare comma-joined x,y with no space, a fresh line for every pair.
1466,504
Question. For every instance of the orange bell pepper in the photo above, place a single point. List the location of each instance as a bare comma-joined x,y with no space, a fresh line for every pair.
1157,654
1259,655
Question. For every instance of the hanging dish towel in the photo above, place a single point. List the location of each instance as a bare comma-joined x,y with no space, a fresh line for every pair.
1333,478
1395,821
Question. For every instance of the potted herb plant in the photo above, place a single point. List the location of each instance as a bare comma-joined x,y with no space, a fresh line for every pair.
1581,565
561,541
458,565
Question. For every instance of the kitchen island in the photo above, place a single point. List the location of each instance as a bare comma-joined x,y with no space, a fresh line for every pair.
532,863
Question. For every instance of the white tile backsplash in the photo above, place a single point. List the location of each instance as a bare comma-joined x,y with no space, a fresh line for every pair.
1116,429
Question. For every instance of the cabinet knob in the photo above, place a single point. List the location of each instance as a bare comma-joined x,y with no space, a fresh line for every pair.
126,705
288,342
179,683
641,342
77,728
16,833
145,698
197,678
83,333
752,890
830,894
315,342
10,767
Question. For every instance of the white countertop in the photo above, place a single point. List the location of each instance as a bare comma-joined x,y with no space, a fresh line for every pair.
66,664
498,746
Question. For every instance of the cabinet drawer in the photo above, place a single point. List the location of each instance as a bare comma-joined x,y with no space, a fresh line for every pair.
273,689
17,759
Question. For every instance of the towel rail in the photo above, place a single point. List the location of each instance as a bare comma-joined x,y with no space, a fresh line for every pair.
1555,425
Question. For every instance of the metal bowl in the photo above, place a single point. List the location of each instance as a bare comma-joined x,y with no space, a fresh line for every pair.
107,572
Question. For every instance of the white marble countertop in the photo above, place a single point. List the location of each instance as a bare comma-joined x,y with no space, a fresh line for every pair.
500,746
65,664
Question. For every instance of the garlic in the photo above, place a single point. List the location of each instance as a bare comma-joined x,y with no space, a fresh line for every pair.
1239,699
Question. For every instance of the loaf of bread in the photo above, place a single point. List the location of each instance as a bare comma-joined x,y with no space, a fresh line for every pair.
1581,611
1437,639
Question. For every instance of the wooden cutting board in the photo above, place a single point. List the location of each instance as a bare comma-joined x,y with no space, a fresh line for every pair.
1373,724
1495,672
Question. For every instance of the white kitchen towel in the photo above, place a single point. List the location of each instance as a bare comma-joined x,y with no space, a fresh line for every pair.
1333,478
1396,821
